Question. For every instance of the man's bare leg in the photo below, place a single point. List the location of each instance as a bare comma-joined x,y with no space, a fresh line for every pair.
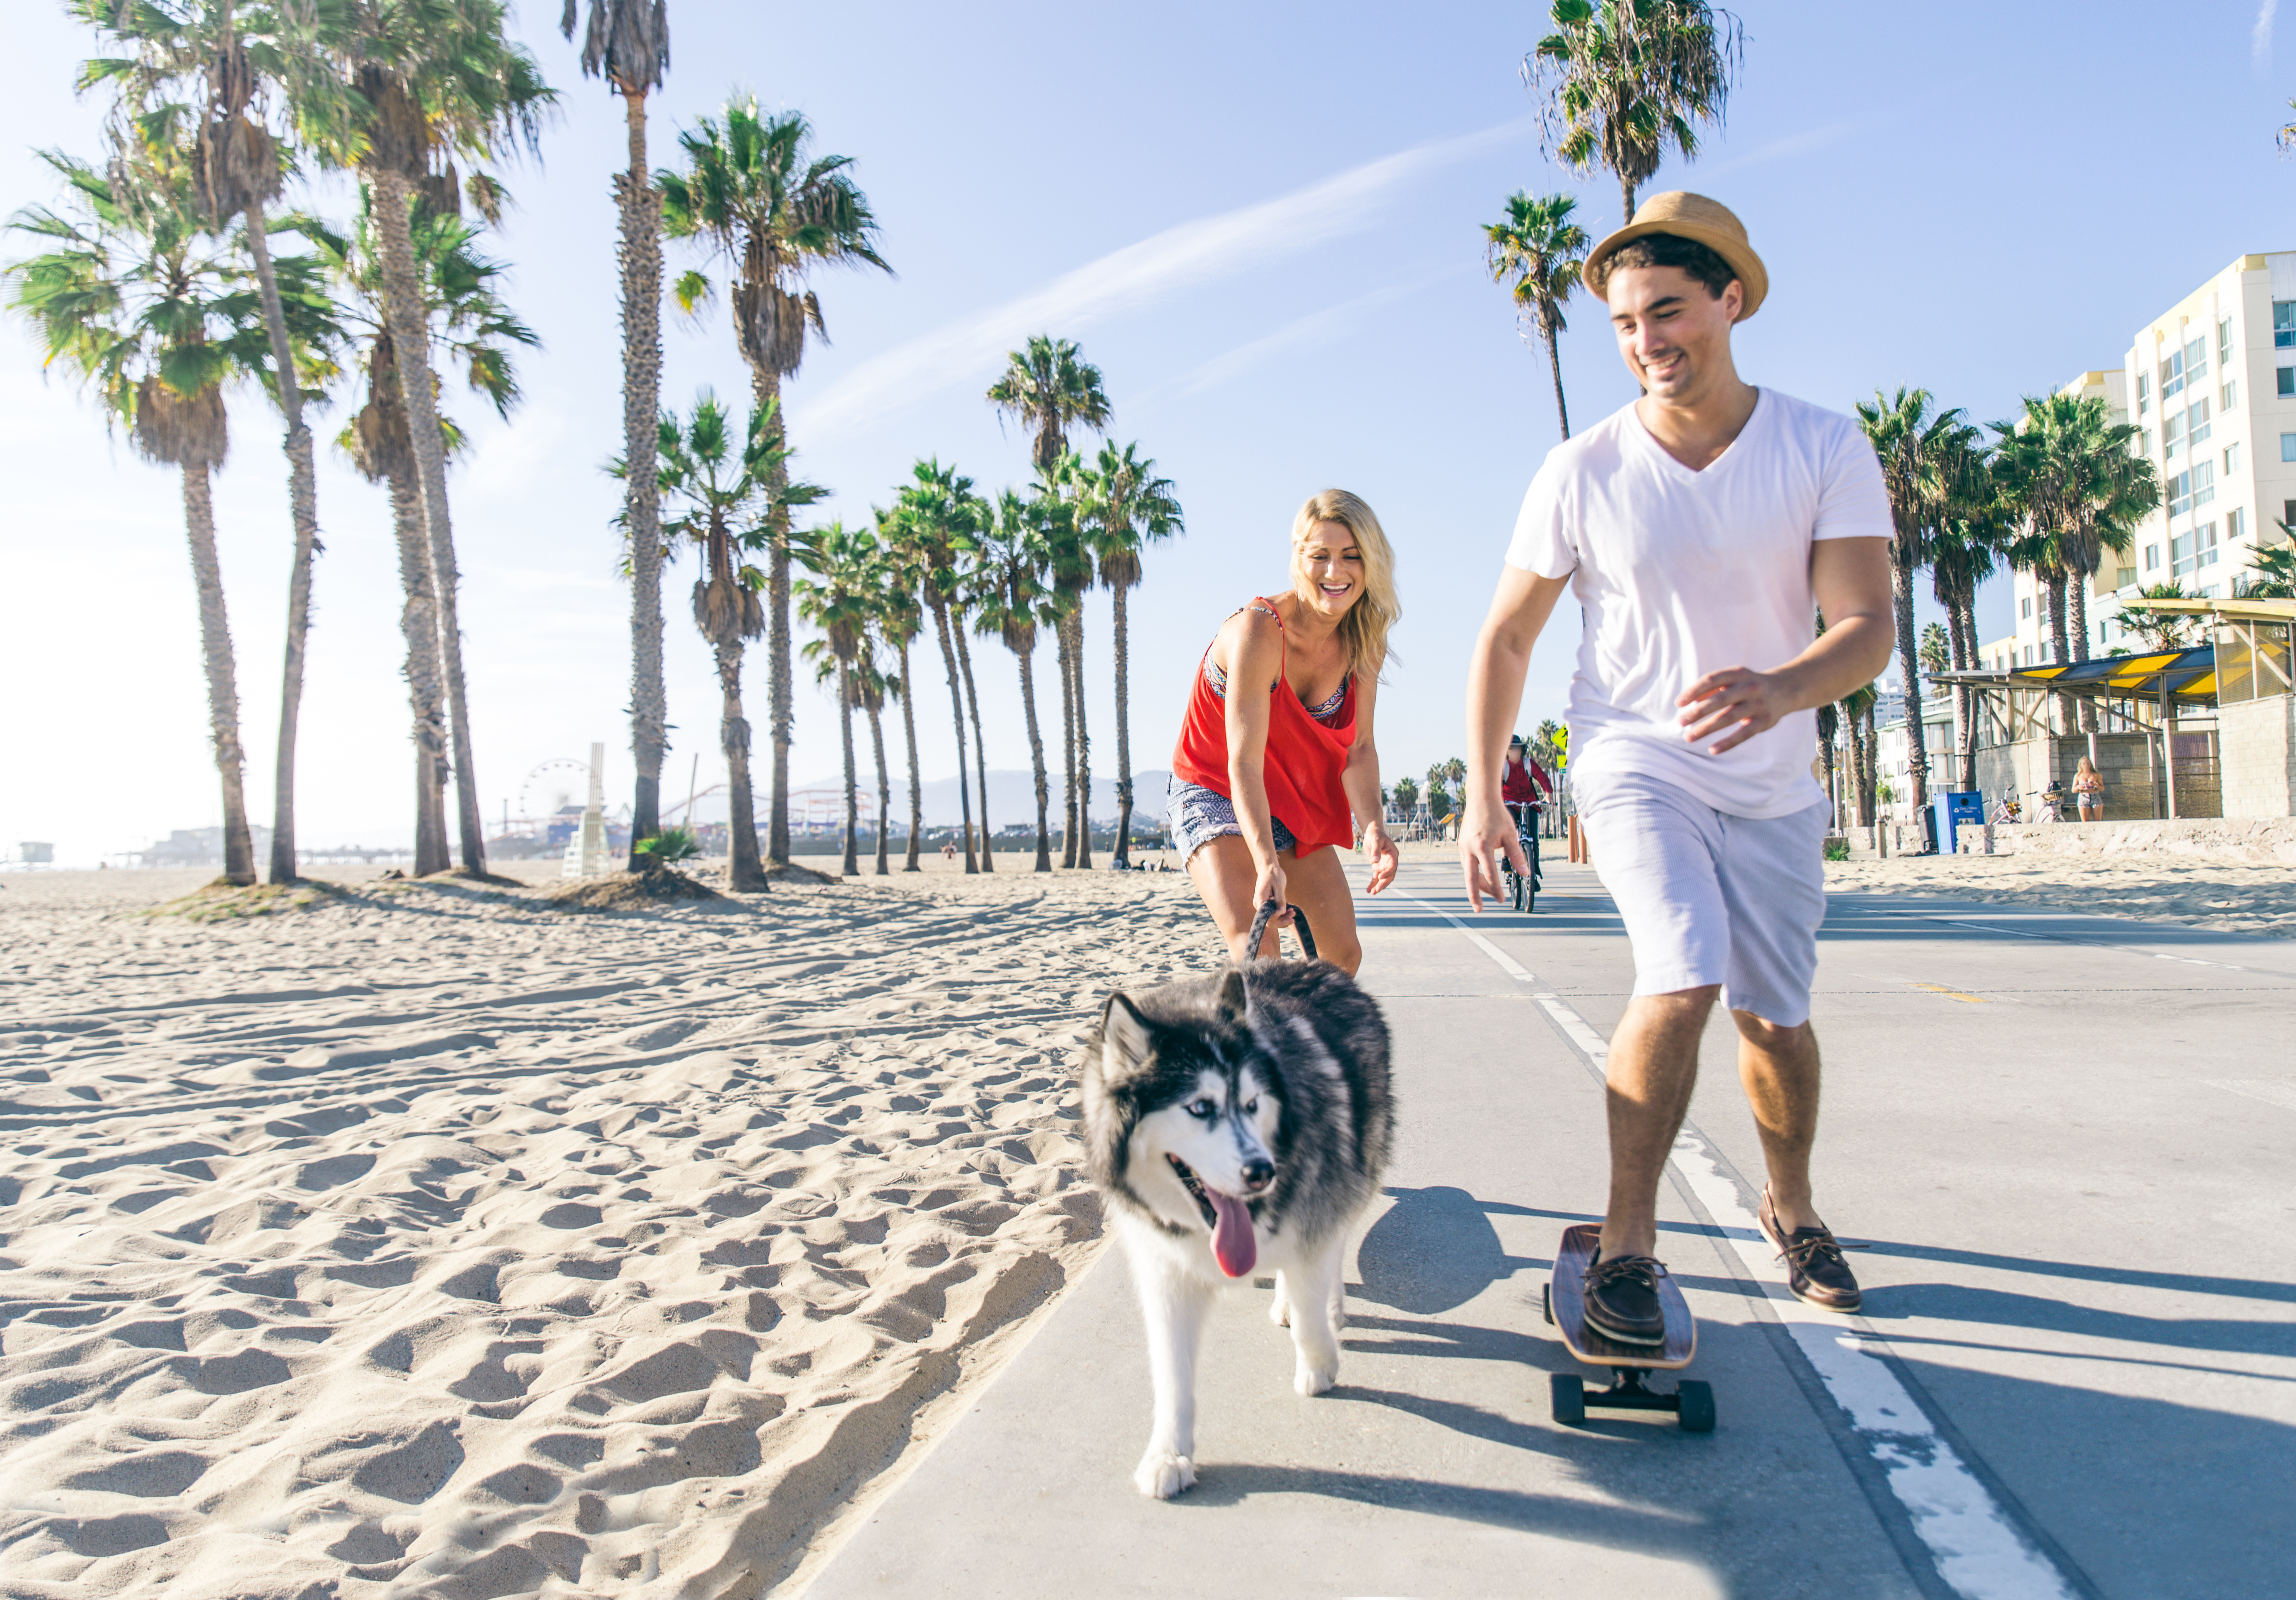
1653,1066
1779,1068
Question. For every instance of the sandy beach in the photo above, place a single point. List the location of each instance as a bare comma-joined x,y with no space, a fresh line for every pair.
433,1240
2233,896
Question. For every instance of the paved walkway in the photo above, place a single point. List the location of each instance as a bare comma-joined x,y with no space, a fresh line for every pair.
2063,1140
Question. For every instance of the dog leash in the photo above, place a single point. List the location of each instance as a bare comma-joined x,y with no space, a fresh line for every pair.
1299,921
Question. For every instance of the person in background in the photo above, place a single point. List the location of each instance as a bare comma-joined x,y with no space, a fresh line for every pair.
2088,791
1522,784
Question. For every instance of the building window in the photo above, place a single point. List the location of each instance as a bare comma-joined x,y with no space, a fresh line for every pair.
2172,435
2204,483
2236,523
2196,359
2284,324
2229,396
2144,438
2232,458
2224,344
2194,550
2288,516
2288,446
2177,492
2196,423
2025,606
2172,373
2287,384
2124,577
2144,392
2152,558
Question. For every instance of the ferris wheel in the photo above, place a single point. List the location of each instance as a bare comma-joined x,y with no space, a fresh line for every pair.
551,787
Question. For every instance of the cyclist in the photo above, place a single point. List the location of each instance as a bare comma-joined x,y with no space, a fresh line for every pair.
1522,787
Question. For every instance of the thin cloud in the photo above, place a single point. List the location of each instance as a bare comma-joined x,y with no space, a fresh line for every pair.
1138,275
2259,44
1308,332
1796,145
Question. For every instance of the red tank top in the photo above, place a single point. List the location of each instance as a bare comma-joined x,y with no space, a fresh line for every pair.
1303,761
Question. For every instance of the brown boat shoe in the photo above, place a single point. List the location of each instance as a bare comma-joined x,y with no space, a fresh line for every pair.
1815,1271
1622,1301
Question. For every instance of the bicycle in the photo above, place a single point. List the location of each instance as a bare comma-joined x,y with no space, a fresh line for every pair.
1522,892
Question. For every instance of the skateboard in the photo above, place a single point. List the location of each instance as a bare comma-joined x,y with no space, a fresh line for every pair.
1690,1400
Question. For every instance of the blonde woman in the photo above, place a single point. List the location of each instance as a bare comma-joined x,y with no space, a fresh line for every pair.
1262,784
2088,791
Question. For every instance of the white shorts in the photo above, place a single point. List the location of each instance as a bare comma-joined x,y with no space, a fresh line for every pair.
1707,897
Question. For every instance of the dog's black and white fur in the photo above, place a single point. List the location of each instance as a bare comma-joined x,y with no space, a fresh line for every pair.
1260,1092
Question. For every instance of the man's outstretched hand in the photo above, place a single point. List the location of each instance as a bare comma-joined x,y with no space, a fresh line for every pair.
1731,706
1486,834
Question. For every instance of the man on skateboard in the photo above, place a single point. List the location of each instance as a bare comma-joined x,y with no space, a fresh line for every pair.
1700,530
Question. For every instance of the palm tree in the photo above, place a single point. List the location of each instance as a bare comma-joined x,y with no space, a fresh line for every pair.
2044,473
900,618
1934,653
157,322
939,518
628,43
1010,598
400,89
1921,452
2275,570
1050,388
838,601
476,328
1541,249
1963,549
1126,508
1069,564
1406,797
726,499
208,63
1858,711
2160,630
754,192
1624,78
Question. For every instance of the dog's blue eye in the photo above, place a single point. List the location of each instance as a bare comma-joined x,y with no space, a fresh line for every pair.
1204,1109
1252,1109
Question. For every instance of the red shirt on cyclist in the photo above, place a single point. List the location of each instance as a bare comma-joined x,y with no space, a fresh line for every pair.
1520,781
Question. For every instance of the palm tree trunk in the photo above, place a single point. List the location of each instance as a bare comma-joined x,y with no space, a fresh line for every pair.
1627,199
1969,720
223,676
1036,755
852,868
875,708
303,506
916,778
410,339
1871,760
980,746
1857,769
957,706
743,870
1083,741
2080,627
2059,646
781,708
1829,719
418,621
1962,651
1067,743
1917,755
641,263
1554,360
1122,860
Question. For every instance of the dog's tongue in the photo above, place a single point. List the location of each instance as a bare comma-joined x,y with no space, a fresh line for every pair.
1232,1241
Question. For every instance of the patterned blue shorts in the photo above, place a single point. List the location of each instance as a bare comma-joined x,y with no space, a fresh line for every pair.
1196,816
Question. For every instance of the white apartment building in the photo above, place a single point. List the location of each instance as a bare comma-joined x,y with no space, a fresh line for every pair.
2210,384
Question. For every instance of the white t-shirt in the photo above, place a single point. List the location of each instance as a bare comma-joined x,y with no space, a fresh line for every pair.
1683,573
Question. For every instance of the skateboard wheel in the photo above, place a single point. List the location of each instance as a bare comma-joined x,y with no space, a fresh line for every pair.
1547,1302
1697,1412
1571,1399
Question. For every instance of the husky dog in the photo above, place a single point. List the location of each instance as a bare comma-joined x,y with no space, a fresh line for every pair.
1231,1120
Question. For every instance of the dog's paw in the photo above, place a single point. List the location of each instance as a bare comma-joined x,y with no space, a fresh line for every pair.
1279,1312
1160,1475
1311,1380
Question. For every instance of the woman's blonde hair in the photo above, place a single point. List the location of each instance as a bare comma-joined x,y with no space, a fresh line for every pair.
1364,629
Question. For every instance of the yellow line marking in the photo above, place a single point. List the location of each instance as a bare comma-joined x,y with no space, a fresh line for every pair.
1951,994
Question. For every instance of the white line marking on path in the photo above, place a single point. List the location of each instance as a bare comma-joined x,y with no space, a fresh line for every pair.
1978,1549
2272,1091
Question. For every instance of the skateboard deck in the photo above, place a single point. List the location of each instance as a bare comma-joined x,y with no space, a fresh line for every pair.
1567,1308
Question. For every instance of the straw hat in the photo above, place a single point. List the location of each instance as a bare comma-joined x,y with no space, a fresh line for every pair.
1695,217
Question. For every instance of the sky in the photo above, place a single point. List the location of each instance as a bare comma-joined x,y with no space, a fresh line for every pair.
1263,224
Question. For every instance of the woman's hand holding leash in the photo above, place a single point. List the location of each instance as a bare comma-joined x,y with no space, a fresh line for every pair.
1266,888
1385,859
1486,834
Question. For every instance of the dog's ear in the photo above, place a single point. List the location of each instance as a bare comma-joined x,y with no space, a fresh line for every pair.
1234,1003
1125,1044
